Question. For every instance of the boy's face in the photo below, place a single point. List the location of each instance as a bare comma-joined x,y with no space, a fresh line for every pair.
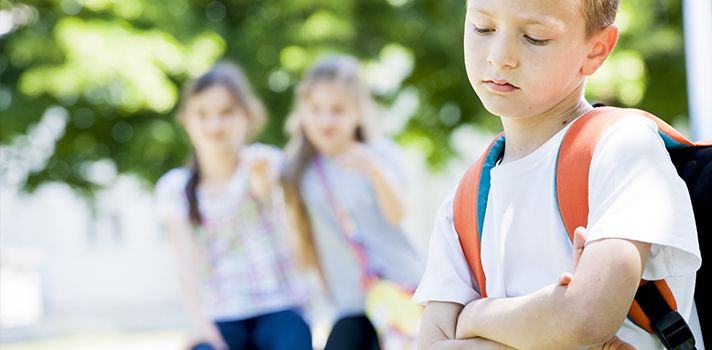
524,57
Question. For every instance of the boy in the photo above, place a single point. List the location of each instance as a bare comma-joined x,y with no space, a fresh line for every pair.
527,60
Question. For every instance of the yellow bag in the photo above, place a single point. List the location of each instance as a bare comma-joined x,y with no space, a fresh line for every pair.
388,304
393,314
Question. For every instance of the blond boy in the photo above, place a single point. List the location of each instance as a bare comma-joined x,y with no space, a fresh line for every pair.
528,60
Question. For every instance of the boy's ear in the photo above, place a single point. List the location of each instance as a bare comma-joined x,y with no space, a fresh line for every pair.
602,45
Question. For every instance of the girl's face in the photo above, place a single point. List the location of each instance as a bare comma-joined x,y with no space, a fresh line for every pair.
330,116
215,122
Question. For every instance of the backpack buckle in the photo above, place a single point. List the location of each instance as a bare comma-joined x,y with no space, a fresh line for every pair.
674,333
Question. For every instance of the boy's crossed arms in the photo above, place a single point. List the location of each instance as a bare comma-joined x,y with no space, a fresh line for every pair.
580,311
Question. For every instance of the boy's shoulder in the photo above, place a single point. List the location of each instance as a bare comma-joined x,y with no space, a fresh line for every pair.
623,130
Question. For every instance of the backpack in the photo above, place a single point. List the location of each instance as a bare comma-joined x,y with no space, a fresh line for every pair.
654,307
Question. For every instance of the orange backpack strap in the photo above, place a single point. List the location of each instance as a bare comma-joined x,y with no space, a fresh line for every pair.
576,153
573,164
469,208
572,170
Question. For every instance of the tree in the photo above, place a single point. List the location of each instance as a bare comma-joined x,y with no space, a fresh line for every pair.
88,85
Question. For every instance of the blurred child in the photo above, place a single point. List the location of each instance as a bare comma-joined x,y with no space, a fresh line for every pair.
222,217
528,60
345,191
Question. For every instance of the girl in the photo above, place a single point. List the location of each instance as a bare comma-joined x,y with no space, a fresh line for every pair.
345,194
239,285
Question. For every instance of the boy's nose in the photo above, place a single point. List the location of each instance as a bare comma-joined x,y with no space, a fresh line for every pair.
502,54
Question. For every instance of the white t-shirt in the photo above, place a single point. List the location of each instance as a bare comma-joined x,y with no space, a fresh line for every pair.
634,193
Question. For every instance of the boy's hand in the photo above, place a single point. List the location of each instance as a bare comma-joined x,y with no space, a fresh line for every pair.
461,329
614,343
580,236
564,279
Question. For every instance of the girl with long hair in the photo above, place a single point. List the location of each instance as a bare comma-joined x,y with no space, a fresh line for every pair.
222,215
346,196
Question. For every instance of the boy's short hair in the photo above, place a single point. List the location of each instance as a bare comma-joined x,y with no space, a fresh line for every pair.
599,14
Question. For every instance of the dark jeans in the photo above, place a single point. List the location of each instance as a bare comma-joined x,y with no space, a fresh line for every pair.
284,330
353,333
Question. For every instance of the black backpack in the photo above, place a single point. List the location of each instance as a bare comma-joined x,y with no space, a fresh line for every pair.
694,165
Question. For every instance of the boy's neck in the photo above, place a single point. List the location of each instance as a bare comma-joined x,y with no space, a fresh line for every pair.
526,135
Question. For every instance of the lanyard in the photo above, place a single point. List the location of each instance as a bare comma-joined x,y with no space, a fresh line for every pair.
347,226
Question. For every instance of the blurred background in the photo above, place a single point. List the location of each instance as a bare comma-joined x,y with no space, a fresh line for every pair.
88,90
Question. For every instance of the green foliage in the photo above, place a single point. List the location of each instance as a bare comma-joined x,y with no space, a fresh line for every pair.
117,68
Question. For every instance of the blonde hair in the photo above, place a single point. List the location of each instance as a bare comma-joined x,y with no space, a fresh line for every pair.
345,72
230,76
599,14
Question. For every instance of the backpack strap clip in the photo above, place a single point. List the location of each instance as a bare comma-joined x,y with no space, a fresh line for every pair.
674,332
668,324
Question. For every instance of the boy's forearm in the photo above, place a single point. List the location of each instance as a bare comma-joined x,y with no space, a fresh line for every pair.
437,330
468,344
587,312
532,322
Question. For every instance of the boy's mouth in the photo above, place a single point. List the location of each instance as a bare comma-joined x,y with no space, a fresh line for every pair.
500,85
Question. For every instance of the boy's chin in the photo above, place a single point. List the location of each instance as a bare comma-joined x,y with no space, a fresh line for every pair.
504,110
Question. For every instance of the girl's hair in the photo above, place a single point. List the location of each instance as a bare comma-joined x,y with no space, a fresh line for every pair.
345,72
230,76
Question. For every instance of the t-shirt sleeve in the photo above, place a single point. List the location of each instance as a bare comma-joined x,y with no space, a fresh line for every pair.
635,193
447,276
169,194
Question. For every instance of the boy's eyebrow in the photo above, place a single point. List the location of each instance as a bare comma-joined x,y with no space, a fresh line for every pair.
544,21
472,8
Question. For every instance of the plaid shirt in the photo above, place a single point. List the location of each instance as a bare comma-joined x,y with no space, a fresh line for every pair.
246,263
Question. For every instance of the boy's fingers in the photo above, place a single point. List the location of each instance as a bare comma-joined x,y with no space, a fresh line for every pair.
580,236
614,343
579,243
565,279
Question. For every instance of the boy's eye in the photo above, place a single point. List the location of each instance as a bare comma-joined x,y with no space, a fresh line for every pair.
482,31
539,42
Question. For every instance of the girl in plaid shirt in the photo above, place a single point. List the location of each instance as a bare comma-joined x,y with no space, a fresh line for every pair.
223,219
